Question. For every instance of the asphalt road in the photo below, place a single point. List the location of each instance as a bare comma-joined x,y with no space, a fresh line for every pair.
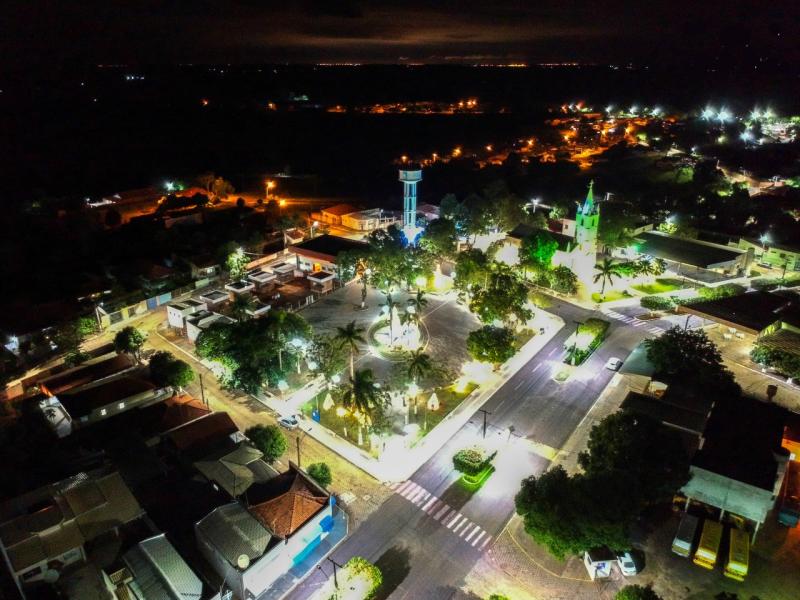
428,535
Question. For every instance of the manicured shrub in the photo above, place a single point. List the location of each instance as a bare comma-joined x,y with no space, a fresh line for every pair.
657,303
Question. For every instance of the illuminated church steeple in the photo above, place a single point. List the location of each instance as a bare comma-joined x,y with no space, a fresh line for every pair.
585,251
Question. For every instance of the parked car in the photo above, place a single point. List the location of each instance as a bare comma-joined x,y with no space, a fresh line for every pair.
289,422
626,564
613,364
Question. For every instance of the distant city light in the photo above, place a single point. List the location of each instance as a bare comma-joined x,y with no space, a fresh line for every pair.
170,186
724,115
708,112
746,136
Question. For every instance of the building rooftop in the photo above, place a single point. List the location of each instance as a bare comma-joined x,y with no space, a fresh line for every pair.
741,441
637,363
685,251
753,311
82,403
236,469
522,231
665,412
53,519
160,573
785,340
340,209
85,374
286,502
327,247
203,432
235,532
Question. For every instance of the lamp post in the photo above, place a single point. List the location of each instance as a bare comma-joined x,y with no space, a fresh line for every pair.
485,412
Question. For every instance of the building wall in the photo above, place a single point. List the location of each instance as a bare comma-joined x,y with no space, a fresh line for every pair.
280,559
775,257
119,406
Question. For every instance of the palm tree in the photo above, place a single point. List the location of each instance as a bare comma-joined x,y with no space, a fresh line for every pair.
419,302
363,394
608,269
351,336
391,306
645,267
418,364
240,305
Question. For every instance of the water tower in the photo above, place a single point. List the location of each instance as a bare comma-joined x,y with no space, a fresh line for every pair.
410,177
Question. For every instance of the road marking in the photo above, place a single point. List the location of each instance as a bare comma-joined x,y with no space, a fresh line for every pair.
446,508
460,525
429,503
478,539
402,486
458,517
486,541
474,531
421,497
533,370
519,385
467,528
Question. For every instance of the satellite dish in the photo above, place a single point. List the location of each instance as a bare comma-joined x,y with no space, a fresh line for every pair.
51,576
243,561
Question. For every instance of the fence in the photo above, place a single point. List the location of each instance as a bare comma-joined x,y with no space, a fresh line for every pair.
108,318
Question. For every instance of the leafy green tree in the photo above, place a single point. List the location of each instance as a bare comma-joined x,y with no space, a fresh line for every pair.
439,238
350,336
284,326
491,344
452,210
240,305
236,264
688,355
721,291
129,340
563,280
637,592
504,297
269,439
472,268
607,271
569,515
321,473
70,336
538,250
471,461
166,370
329,354
359,569
643,448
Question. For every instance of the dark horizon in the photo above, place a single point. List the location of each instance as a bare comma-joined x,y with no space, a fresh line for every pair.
52,35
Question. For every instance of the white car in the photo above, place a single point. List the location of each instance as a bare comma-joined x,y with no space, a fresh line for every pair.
613,364
289,422
626,564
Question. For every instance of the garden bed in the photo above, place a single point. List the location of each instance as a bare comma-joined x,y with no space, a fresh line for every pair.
610,296
582,343
659,286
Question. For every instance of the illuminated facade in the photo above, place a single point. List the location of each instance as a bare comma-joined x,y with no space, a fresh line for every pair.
584,255
410,179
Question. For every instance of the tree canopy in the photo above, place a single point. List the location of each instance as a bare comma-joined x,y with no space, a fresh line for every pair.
129,340
165,370
269,439
537,250
504,298
321,473
491,344
637,592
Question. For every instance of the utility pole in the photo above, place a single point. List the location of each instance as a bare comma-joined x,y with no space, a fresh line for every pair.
335,565
485,412
202,391
297,440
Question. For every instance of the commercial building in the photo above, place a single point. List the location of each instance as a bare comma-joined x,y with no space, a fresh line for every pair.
321,253
333,214
369,220
775,256
177,312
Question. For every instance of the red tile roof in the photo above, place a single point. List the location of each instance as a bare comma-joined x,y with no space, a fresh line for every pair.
340,209
291,510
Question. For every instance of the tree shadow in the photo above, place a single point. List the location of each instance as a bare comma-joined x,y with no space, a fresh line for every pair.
395,565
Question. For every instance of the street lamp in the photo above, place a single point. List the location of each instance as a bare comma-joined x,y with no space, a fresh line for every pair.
535,202
270,185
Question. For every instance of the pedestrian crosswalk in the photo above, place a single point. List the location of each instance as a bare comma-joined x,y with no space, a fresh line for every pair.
441,512
655,329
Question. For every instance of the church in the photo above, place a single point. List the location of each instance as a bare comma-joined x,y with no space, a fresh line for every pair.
577,241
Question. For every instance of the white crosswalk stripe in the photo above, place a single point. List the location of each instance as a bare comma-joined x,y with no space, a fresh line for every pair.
438,510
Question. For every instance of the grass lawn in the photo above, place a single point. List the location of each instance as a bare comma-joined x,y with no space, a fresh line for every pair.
659,286
610,296
448,400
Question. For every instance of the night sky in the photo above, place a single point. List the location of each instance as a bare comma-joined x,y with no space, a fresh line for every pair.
53,33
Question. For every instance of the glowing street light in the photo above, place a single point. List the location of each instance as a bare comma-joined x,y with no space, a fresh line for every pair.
724,115
269,184
746,136
707,113
169,185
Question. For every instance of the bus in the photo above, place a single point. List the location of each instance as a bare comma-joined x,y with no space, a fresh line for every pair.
706,554
684,538
738,555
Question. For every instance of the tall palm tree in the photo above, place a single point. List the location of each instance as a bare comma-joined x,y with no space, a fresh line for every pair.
391,306
645,267
419,302
418,364
608,269
351,336
363,395
240,305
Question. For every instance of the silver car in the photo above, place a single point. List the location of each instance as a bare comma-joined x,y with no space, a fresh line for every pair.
626,564
289,422
613,364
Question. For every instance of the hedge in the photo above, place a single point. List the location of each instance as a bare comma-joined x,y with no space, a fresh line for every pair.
471,461
657,303
786,363
597,328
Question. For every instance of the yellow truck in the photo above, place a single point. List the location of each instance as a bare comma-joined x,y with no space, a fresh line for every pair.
708,548
738,555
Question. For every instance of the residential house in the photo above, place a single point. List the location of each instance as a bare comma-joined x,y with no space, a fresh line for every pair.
177,312
43,532
203,320
285,526
333,214
369,220
213,299
91,373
